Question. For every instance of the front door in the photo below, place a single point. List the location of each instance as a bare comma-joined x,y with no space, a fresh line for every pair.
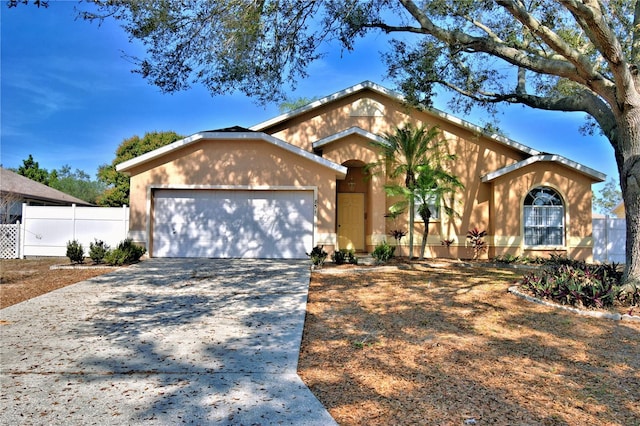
351,221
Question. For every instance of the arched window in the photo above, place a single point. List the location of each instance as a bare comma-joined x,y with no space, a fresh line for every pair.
543,218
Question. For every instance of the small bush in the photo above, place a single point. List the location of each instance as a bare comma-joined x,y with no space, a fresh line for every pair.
507,258
125,253
75,252
383,252
98,250
318,256
340,257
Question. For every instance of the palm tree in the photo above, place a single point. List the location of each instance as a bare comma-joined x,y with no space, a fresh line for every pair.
403,153
436,187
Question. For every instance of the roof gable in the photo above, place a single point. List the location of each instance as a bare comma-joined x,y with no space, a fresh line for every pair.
367,85
236,134
554,158
348,132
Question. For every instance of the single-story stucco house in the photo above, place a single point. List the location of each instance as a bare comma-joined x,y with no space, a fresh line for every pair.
299,180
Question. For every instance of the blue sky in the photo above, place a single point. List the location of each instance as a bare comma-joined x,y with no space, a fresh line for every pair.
68,96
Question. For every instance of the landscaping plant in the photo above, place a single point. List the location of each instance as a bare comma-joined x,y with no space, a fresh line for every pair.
124,254
75,251
576,284
98,250
342,256
475,237
383,252
318,256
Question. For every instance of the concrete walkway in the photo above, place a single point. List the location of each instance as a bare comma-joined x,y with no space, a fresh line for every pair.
175,341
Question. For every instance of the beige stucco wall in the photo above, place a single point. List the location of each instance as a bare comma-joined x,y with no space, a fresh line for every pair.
246,163
476,155
507,210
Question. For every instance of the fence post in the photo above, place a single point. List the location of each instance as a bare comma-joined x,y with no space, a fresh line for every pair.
125,217
23,229
73,220
17,246
606,239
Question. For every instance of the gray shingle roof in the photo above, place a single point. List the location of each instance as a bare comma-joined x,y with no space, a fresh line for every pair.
13,183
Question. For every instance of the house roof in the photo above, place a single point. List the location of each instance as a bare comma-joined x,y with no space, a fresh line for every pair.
534,155
13,183
593,174
368,85
234,133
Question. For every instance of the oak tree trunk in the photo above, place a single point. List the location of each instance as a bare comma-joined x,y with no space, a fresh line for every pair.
628,159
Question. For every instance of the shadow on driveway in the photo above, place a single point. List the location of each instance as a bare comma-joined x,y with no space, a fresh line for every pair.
163,342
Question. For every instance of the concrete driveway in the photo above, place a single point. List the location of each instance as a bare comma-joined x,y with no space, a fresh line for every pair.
196,341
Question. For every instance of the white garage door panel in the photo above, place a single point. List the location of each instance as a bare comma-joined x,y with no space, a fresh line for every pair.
233,224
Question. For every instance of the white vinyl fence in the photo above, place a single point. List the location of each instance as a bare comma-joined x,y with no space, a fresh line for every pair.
609,240
45,230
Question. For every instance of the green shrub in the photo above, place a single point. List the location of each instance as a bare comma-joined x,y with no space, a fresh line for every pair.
98,250
340,257
125,253
318,256
383,252
507,258
75,252
576,284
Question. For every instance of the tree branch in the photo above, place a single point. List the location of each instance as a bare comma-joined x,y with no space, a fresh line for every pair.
594,23
538,63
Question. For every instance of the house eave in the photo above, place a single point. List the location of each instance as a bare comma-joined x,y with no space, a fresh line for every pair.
595,175
345,133
126,166
368,85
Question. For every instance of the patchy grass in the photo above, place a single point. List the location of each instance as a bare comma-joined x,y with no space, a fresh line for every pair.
450,345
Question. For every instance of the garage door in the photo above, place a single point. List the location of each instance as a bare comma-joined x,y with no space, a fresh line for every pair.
233,223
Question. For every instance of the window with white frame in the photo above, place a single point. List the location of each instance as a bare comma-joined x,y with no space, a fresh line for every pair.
543,218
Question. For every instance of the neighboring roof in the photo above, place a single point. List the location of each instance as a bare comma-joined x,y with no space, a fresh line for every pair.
229,135
350,131
368,85
593,174
23,187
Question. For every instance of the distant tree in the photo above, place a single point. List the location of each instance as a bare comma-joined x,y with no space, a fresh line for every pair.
78,184
31,169
117,183
610,196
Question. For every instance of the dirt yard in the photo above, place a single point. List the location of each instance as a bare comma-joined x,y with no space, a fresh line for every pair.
22,279
442,345
450,346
